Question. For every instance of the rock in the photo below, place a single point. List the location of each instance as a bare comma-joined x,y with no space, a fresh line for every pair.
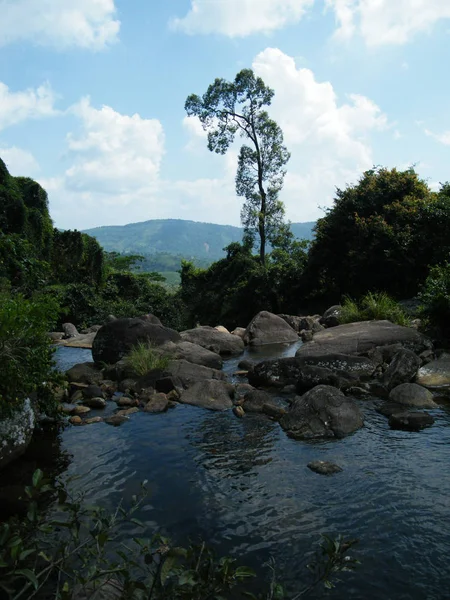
241,389
267,328
76,397
126,412
411,394
110,319
239,331
81,341
239,411
402,369
358,338
307,336
81,410
55,336
126,401
92,329
76,420
157,403
97,403
323,467
359,366
115,339
86,373
189,373
225,344
70,331
165,385
390,408
436,375
193,353
410,421
331,316
358,392
246,365
93,391
221,328
67,409
324,411
210,394
116,420
311,376
255,400
376,388
16,433
93,420
294,322
274,411
128,385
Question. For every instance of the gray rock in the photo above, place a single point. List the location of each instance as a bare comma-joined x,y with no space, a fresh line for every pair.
323,412
116,420
189,373
331,316
246,365
210,394
193,353
311,376
307,336
255,400
402,369
273,410
86,373
241,389
126,412
323,467
411,394
267,328
157,403
126,401
359,366
239,411
115,339
388,409
69,330
55,336
225,344
239,331
358,338
436,375
95,402
93,391
410,421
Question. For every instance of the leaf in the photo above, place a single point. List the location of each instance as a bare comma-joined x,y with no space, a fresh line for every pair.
30,576
167,567
25,553
44,556
187,578
137,522
242,572
37,477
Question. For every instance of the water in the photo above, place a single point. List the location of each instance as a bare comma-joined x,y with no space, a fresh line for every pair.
244,487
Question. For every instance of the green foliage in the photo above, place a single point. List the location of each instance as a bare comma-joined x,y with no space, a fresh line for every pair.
19,265
373,306
77,258
382,233
144,358
78,549
25,351
435,298
228,108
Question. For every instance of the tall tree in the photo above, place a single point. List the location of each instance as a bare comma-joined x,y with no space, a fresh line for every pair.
231,107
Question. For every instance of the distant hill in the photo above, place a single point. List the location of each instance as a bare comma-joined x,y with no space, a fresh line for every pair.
189,239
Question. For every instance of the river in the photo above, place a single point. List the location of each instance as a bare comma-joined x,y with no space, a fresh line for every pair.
244,487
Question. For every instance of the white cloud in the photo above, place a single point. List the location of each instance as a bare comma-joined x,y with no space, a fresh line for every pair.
239,18
382,22
443,137
19,162
29,104
62,24
329,141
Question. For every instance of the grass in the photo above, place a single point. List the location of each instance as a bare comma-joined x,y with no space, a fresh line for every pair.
373,307
144,358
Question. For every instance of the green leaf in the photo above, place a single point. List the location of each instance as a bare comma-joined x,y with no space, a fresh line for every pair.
137,522
28,574
242,572
167,567
25,553
37,477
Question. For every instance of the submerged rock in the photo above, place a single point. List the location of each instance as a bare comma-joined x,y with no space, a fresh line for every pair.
267,328
86,373
95,402
210,394
255,400
323,467
157,403
116,420
410,421
322,412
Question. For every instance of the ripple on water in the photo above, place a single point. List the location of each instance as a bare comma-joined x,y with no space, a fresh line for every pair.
242,485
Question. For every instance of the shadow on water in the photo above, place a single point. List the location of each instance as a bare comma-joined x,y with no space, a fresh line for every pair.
244,487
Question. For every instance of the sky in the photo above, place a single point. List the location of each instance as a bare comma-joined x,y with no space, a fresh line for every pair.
92,96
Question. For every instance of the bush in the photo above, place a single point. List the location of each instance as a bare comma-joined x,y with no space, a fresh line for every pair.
435,298
373,307
25,351
144,358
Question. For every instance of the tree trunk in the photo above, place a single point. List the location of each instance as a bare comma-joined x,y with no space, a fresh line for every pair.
262,228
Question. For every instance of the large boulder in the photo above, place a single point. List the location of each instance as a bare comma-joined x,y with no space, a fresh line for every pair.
311,376
188,373
331,316
358,338
210,394
225,344
359,366
411,394
115,339
267,328
85,373
402,369
323,412
302,323
192,353
436,375
16,433
69,330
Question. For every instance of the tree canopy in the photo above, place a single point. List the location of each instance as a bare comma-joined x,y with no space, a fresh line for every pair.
228,108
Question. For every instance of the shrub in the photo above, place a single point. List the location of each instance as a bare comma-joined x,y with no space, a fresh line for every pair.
435,298
25,351
144,358
373,307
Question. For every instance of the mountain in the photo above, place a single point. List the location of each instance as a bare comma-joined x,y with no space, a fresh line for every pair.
189,239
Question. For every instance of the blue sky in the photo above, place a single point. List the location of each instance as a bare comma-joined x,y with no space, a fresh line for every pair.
92,99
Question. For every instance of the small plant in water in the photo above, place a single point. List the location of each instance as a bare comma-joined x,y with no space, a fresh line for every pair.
143,358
